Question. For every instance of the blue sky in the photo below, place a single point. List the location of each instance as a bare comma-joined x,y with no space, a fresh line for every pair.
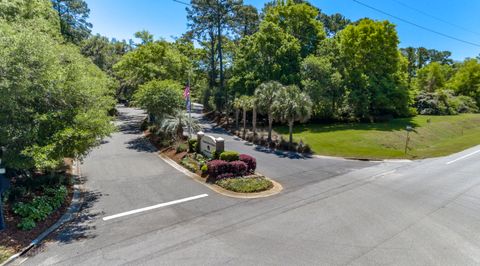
166,18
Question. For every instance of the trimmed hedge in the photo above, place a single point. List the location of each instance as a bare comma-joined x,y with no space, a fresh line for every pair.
229,156
238,168
217,167
250,161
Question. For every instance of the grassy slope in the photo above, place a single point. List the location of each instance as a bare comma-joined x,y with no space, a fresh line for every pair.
442,136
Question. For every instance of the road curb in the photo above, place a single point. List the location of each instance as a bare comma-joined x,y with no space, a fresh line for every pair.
277,187
72,210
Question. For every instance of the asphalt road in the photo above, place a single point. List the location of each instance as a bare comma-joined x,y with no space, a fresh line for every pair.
332,212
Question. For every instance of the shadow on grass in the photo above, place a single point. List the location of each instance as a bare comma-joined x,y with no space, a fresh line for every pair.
393,125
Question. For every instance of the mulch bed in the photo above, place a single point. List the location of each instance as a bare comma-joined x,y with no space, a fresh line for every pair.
17,239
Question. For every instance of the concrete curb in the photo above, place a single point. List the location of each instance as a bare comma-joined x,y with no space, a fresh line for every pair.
277,187
77,201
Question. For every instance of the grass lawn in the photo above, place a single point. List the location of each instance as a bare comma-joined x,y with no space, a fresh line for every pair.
441,136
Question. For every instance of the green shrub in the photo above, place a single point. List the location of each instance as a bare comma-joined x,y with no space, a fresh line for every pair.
204,169
181,148
229,156
26,224
192,145
216,155
189,164
40,207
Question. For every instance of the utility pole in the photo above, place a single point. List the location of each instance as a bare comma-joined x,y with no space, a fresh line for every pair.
409,128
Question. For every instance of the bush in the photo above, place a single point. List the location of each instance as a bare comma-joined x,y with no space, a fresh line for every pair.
229,156
250,161
238,168
217,167
224,176
192,145
181,148
40,207
204,169
189,164
216,155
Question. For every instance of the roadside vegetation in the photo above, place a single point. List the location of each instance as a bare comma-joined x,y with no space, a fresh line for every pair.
246,185
5,253
432,136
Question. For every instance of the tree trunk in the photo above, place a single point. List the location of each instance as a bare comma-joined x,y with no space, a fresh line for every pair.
237,116
290,130
270,122
254,120
213,75
220,53
244,122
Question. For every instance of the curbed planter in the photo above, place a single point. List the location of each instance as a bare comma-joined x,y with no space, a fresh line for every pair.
277,187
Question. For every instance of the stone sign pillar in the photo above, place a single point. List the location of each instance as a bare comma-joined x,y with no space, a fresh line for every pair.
208,145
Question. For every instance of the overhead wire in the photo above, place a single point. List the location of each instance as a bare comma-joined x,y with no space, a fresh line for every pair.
435,17
416,25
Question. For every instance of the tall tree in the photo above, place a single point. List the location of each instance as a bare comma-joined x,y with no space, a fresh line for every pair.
269,54
324,84
432,77
102,52
73,19
144,36
299,20
466,81
211,21
333,23
374,69
157,60
54,102
247,20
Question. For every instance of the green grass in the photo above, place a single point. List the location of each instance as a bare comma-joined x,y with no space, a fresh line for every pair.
5,253
245,184
442,136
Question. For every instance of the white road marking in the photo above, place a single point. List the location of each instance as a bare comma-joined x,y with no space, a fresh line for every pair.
154,207
463,157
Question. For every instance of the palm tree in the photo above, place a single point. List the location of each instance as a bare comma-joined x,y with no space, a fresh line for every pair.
266,96
246,103
292,105
174,124
237,105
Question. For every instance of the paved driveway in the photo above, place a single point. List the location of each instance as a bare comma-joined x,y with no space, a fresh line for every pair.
331,213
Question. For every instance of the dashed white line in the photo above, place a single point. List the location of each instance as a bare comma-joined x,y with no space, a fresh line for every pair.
154,207
464,157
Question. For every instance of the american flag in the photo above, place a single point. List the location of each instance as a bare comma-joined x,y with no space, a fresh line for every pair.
186,92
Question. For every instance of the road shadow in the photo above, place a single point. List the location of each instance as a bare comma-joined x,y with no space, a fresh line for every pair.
140,144
82,227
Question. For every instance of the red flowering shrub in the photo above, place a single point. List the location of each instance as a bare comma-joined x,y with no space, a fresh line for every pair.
250,161
226,175
238,168
217,167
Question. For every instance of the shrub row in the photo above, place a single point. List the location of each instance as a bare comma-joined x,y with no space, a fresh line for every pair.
229,156
40,207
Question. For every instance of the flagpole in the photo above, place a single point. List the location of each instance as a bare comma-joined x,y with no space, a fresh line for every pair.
189,108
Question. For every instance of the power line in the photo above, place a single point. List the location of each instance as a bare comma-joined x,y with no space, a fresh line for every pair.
435,17
181,2
416,25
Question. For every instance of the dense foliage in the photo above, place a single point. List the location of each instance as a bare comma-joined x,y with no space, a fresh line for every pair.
53,101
